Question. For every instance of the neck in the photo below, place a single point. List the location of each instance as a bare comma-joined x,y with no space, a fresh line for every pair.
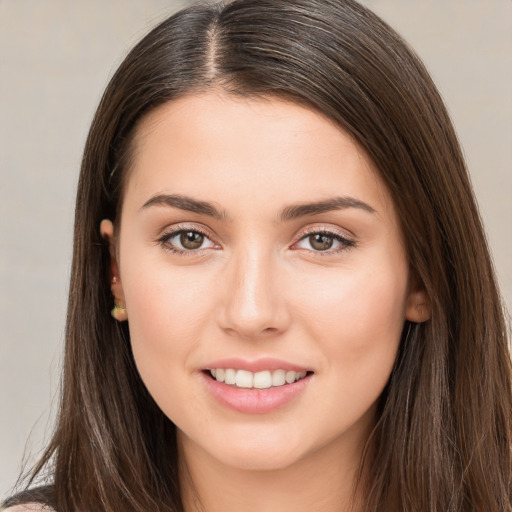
324,481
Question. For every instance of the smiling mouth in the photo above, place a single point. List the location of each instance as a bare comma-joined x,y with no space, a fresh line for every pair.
255,380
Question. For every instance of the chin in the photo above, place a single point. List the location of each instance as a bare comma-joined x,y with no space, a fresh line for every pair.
250,450
260,460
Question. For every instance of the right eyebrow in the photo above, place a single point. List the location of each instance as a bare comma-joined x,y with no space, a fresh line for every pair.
316,208
186,203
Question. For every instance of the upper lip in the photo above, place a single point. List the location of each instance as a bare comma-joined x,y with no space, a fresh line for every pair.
256,365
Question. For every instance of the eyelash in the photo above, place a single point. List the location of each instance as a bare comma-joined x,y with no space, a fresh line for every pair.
166,237
346,243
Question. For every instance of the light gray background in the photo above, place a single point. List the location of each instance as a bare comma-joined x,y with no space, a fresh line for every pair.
55,59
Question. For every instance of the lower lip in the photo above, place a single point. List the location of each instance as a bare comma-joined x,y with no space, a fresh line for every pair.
255,401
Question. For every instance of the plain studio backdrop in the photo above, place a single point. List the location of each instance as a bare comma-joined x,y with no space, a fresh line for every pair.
56,57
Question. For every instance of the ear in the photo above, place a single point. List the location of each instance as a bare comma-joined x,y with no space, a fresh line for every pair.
116,286
418,308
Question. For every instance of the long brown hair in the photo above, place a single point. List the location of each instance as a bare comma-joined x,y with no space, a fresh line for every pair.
442,442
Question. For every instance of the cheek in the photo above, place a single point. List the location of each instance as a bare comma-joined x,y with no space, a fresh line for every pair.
166,311
357,318
357,325
356,300
165,303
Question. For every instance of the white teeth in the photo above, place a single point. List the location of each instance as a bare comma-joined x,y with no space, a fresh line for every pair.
259,380
290,377
262,380
243,379
279,378
230,376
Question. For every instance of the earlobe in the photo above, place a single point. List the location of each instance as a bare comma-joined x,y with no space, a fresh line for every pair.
119,310
418,307
119,313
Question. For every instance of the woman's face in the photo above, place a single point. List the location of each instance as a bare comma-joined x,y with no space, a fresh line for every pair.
257,240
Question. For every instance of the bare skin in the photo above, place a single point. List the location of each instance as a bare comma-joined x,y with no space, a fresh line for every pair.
253,275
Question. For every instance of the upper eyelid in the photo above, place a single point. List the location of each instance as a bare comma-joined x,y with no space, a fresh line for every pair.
341,238
167,232
326,230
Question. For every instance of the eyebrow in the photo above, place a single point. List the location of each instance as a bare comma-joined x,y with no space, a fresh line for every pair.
332,204
188,204
289,213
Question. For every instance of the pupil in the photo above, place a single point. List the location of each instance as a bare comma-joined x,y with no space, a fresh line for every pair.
191,240
321,242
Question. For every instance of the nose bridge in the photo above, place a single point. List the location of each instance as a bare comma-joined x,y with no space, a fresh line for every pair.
253,303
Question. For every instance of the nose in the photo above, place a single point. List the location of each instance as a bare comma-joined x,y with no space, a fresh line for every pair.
254,304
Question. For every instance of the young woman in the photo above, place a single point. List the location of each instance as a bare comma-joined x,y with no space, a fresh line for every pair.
274,206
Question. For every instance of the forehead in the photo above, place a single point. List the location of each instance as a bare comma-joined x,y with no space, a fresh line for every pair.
212,143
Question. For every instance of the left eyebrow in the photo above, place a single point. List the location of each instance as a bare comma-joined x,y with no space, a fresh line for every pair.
334,203
186,203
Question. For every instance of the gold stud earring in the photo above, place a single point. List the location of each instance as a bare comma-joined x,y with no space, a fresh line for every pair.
119,313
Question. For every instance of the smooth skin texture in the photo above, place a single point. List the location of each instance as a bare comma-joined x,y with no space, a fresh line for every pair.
252,282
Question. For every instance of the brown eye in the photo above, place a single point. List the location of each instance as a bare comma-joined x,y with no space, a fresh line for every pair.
321,241
186,241
191,240
326,242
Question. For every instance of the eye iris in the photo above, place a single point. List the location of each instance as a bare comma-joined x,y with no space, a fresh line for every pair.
191,239
320,242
